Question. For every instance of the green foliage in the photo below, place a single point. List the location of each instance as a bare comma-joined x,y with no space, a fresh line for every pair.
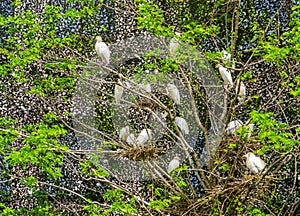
118,205
151,18
41,148
274,135
274,51
256,212
5,211
296,91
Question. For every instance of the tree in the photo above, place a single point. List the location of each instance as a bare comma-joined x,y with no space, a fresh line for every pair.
61,152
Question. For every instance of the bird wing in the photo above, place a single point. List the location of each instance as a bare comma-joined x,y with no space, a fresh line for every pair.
252,166
182,124
226,75
173,165
173,92
259,163
103,51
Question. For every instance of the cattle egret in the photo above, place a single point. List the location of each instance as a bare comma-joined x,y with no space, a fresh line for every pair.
254,163
131,140
145,87
233,126
143,137
226,57
102,50
173,93
240,90
174,44
118,92
251,128
182,124
173,164
124,132
226,75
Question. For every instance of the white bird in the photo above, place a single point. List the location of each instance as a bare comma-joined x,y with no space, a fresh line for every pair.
233,126
174,44
118,92
240,90
124,133
173,93
102,50
226,75
251,128
182,124
145,87
226,56
143,137
173,164
254,163
131,140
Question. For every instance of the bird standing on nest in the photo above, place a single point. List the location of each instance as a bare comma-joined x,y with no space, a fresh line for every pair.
102,50
143,137
124,133
254,163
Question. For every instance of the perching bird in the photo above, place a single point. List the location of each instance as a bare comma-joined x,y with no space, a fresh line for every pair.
102,50
240,90
251,128
118,92
143,137
233,126
174,44
173,164
226,75
182,124
173,93
145,87
131,140
124,133
254,163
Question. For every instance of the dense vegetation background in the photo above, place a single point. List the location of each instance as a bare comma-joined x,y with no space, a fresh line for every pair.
46,50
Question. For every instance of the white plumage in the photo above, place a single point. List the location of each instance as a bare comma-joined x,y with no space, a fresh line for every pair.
226,75
131,140
173,164
251,128
124,133
102,50
145,87
254,163
174,44
182,124
173,93
233,126
118,92
240,90
143,137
